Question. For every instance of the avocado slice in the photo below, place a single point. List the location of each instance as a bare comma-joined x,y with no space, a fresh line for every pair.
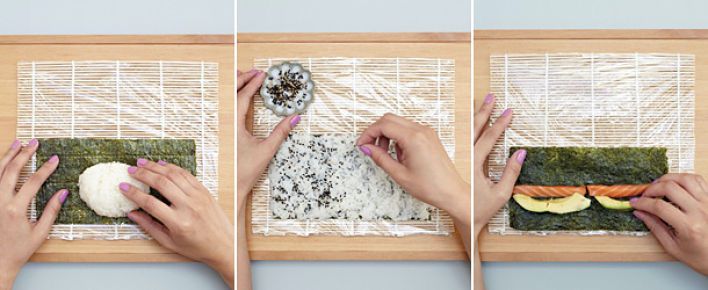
614,204
573,203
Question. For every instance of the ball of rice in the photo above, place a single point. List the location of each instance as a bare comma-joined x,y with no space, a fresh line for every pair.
98,187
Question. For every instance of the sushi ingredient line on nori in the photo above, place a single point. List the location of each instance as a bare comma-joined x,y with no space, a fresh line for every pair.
608,173
564,205
580,166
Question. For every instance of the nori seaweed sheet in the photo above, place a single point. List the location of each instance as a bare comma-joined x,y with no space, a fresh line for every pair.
580,166
593,218
76,155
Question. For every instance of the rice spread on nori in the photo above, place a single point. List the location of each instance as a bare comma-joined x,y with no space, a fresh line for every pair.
580,166
324,176
76,155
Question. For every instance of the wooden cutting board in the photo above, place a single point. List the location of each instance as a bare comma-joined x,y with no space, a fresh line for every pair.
431,45
213,48
595,248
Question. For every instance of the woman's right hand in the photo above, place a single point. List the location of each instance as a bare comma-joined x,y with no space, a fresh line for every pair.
681,223
423,167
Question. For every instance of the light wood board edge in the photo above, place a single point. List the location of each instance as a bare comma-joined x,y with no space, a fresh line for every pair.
593,34
118,39
353,37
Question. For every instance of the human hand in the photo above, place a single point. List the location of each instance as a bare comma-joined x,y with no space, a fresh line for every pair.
489,197
193,225
255,154
423,167
19,238
681,223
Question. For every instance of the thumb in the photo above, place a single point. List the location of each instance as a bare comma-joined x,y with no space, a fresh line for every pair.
49,215
280,132
381,157
511,172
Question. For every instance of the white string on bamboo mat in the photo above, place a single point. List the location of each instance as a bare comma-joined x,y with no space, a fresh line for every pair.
361,90
124,99
635,99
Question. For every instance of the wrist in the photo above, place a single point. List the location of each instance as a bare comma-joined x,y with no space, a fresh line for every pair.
7,276
458,202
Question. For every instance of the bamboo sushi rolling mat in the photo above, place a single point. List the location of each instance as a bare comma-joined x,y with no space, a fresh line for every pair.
593,100
126,50
494,247
119,100
375,46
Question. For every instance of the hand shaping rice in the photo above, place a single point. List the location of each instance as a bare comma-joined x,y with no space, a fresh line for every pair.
287,89
98,187
327,177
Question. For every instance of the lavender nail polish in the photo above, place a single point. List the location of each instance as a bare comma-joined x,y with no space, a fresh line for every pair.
506,112
53,159
521,157
132,169
633,200
33,143
295,121
63,195
141,162
162,162
124,186
365,150
16,144
489,98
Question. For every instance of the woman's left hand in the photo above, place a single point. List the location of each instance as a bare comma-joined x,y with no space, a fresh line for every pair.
193,225
254,154
19,238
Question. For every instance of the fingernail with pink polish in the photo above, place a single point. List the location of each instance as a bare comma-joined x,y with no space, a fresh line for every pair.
365,150
655,181
124,186
521,157
16,144
506,112
633,200
637,214
142,161
132,169
162,162
63,195
294,121
53,159
33,143
130,216
489,98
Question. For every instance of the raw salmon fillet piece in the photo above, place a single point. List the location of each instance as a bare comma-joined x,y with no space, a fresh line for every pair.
548,191
622,190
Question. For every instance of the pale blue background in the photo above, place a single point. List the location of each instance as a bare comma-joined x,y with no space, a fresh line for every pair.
595,14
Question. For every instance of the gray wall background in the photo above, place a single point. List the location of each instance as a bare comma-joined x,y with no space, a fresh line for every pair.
596,14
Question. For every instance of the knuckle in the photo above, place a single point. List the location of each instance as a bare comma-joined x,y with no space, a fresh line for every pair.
52,208
162,181
12,211
174,173
695,230
150,204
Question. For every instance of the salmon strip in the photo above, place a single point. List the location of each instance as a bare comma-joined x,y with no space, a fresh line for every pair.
548,191
623,190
